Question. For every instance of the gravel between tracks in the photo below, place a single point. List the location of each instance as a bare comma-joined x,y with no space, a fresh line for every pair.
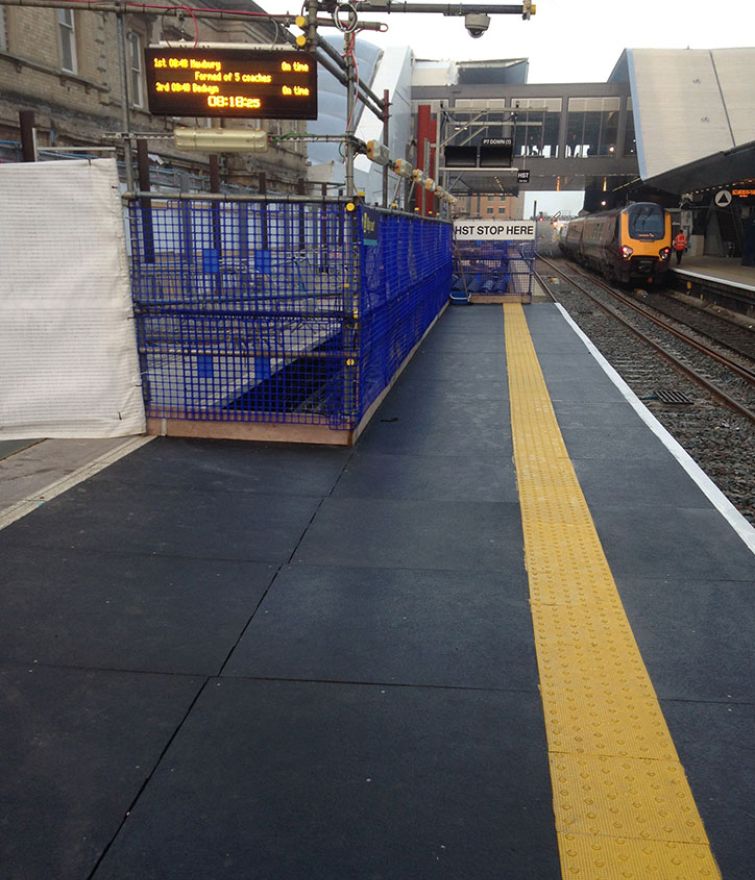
720,440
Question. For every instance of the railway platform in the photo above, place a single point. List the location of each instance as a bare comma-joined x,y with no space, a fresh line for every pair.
719,280
509,634
718,269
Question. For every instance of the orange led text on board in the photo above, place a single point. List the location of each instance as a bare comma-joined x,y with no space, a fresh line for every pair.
231,81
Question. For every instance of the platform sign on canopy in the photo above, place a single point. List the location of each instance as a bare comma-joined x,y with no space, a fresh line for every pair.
491,153
234,83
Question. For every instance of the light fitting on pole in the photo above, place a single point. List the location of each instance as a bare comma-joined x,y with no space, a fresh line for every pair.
221,140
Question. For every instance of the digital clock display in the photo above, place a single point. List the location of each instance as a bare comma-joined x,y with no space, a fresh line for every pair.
242,83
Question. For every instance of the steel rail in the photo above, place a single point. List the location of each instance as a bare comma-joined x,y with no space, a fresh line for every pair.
543,286
641,309
670,298
678,364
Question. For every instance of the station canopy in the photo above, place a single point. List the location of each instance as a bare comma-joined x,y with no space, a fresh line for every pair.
694,114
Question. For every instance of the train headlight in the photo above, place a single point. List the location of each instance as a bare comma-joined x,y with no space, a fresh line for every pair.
664,253
625,251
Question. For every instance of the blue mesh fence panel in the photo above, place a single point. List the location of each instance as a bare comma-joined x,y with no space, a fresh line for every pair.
406,276
493,267
278,311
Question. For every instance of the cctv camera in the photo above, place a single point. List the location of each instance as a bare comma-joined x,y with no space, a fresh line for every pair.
476,23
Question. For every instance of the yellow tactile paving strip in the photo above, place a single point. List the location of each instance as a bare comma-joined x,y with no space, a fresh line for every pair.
623,807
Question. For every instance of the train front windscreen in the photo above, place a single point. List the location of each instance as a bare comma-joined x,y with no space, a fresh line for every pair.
646,222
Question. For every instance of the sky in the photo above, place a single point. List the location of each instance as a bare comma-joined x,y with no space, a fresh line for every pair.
569,40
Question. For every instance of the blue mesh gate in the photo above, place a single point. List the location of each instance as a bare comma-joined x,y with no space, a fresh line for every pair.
281,311
493,260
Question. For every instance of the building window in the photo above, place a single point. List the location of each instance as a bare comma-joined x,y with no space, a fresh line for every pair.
592,127
630,144
502,209
536,126
490,210
136,92
67,31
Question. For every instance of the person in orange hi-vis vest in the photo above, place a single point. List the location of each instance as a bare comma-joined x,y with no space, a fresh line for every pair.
680,245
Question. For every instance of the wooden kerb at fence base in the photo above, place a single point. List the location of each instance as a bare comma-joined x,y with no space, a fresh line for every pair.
271,432
260,431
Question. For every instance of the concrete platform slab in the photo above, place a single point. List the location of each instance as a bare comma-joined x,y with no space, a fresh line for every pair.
482,320
164,521
460,395
715,744
460,427
476,369
646,479
461,343
589,388
570,365
615,442
447,629
661,542
233,466
725,269
612,413
695,636
87,609
76,747
377,533
320,781
427,477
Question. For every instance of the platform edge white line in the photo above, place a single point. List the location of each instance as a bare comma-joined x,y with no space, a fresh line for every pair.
711,491
716,279
58,487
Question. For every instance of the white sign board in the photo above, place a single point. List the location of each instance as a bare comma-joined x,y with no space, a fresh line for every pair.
494,230
723,198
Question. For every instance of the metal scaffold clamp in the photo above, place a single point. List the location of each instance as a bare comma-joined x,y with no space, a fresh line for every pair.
345,17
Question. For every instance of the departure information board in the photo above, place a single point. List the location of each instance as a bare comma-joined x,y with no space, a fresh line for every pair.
496,152
235,83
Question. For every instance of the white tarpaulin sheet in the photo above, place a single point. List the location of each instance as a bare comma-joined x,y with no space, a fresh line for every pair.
68,360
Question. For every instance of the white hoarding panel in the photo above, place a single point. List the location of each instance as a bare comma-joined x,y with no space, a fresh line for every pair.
68,356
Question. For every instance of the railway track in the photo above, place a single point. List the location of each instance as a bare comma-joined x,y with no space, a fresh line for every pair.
730,334
704,403
741,399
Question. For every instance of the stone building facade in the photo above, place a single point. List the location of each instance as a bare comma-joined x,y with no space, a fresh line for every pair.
63,64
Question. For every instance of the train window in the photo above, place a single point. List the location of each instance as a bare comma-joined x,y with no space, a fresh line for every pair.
646,221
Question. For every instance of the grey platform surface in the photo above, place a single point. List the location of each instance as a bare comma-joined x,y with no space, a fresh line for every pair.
723,269
248,661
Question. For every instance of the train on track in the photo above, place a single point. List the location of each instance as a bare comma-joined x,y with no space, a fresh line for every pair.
630,244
